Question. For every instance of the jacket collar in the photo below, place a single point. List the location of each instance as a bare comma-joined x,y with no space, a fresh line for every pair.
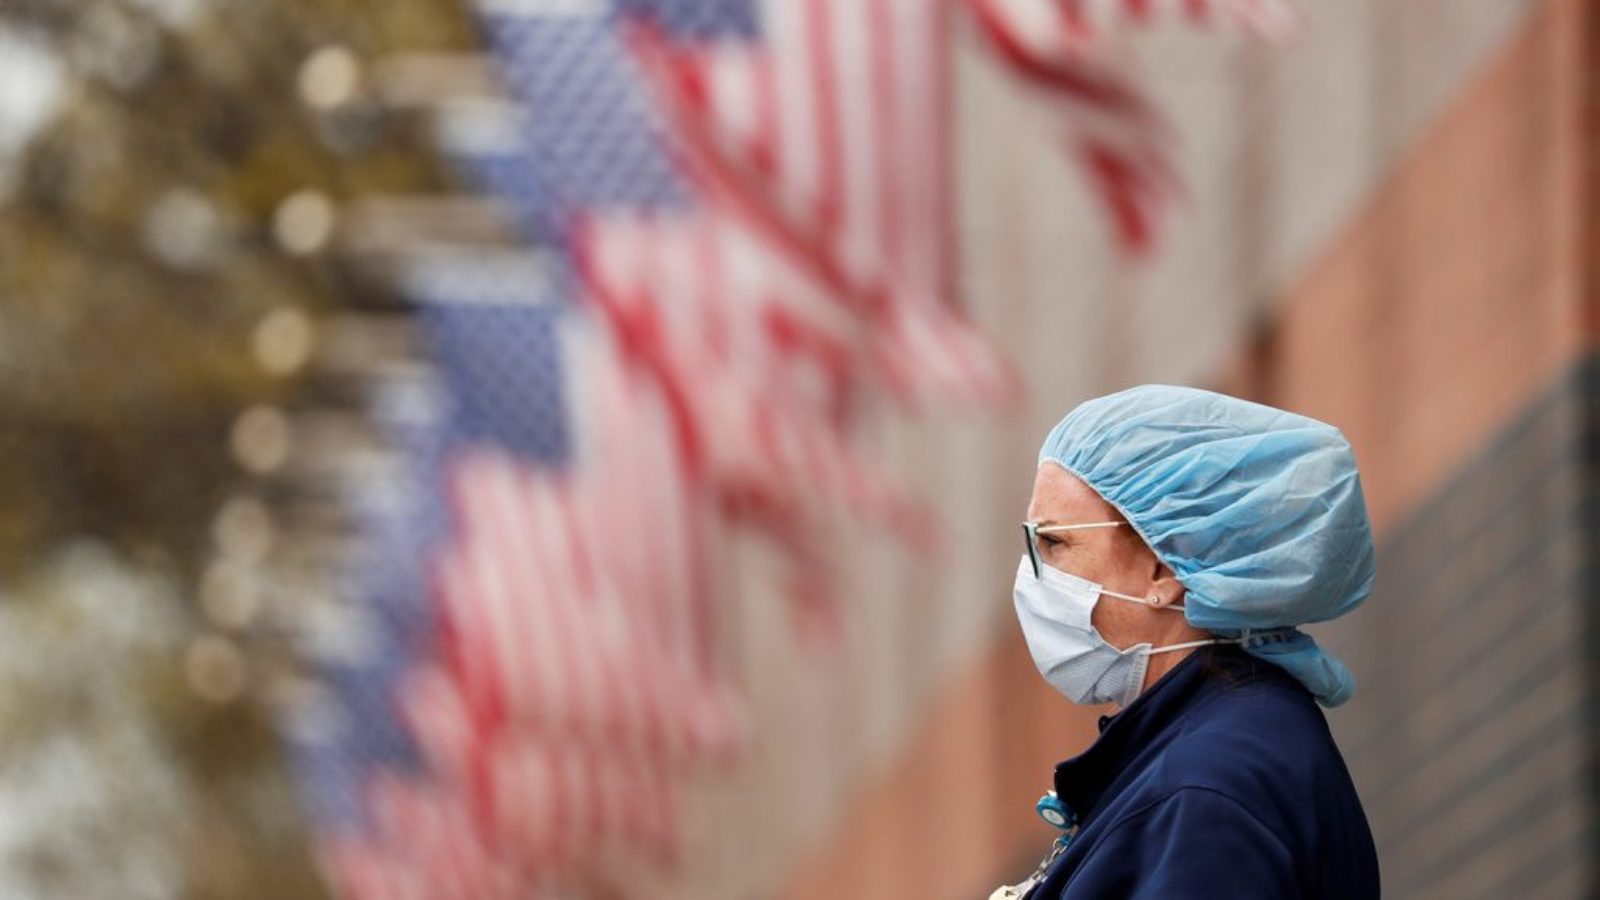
1146,724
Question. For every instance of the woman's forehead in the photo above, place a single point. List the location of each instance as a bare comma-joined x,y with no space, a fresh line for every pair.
1060,496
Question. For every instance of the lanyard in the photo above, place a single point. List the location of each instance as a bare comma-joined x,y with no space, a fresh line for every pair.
1053,811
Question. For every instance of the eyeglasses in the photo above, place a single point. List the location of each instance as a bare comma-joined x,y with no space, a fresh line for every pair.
1032,530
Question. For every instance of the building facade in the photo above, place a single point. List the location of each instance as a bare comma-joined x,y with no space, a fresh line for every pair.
1390,227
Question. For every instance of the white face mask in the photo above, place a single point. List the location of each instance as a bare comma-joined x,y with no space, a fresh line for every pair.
1055,610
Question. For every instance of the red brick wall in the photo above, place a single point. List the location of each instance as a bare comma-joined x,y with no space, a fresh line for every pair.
1457,294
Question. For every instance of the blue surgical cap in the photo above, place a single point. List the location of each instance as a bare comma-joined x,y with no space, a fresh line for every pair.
1258,512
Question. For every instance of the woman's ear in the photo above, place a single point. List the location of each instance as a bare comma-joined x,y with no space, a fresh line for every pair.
1165,588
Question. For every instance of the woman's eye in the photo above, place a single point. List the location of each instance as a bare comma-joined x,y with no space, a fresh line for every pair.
1050,542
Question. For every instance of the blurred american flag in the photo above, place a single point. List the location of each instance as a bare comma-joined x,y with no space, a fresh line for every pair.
739,223
1120,141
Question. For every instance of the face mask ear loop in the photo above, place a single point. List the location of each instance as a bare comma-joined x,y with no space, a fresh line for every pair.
1187,644
1142,601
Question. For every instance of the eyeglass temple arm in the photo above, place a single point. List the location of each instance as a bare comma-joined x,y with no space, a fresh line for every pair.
1049,529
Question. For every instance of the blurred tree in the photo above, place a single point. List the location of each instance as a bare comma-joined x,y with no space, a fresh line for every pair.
138,251
161,262
94,801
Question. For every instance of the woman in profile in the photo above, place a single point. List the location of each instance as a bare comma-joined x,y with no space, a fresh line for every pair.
1175,538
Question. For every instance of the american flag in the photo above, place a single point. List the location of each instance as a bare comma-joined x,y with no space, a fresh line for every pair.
738,225
1058,48
347,736
761,344
575,684
1077,26
827,142
534,715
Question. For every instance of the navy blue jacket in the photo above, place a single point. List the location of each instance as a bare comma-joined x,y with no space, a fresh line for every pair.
1220,781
